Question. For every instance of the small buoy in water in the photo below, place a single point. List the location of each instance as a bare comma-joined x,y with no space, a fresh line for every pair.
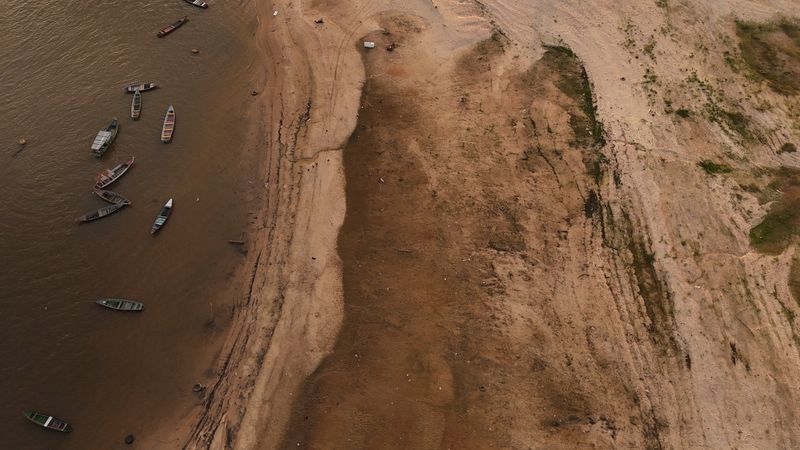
22,141
254,92
195,51
129,439
198,387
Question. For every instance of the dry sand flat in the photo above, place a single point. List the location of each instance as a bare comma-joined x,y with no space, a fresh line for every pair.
513,273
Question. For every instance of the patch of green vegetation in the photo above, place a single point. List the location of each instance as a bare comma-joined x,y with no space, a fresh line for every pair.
733,61
659,305
564,50
650,76
782,222
738,123
649,48
590,108
574,82
731,121
591,205
774,233
772,50
596,167
684,113
713,168
630,40
668,109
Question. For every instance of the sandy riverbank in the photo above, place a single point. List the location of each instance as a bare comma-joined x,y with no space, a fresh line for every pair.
291,317
520,269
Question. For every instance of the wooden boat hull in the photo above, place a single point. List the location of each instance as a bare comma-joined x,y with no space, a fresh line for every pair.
102,212
198,3
141,87
113,130
162,217
173,26
168,129
136,105
120,304
112,197
108,176
48,421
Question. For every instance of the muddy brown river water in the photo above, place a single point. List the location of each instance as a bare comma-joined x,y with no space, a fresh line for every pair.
62,68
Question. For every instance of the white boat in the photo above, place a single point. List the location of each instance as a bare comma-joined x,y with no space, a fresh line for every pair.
198,3
162,217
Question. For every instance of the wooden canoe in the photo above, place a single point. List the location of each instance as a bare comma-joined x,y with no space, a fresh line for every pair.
120,304
136,105
102,212
162,217
104,138
108,176
198,3
48,421
141,87
112,197
173,26
168,128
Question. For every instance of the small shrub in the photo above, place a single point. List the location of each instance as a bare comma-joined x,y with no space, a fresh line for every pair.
713,168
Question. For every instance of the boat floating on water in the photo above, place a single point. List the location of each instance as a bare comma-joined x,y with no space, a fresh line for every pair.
141,87
120,304
173,26
109,176
112,197
162,217
198,3
169,125
102,212
48,421
104,138
136,105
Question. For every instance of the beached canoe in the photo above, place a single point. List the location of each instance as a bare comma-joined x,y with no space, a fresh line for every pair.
112,197
136,105
169,125
173,26
48,421
102,212
108,176
198,3
141,87
120,304
104,138
162,217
